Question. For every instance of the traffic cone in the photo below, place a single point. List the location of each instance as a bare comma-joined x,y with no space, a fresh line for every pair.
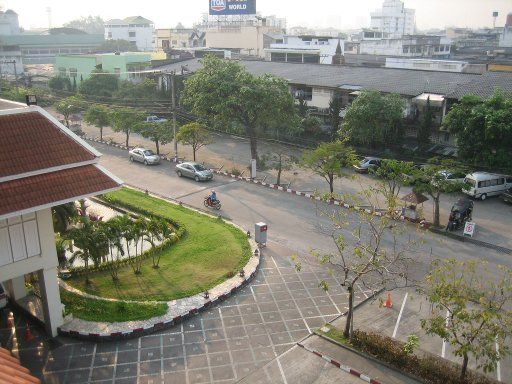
388,303
28,334
9,322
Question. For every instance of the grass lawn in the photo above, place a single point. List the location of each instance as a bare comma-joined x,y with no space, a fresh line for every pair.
109,311
206,255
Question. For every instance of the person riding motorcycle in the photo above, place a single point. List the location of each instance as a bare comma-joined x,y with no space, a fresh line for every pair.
212,198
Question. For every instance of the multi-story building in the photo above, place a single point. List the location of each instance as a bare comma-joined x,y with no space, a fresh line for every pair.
408,46
394,19
304,49
65,169
506,36
9,24
136,29
126,65
176,38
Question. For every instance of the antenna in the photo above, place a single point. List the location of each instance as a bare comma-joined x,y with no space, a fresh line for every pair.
494,16
49,12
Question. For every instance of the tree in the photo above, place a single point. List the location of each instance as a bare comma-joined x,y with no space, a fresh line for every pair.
100,84
393,174
113,233
130,91
158,229
280,161
63,215
311,125
362,256
119,45
159,133
374,119
90,24
431,180
471,310
334,112
329,159
302,105
68,106
98,115
59,83
425,129
124,119
195,135
223,91
483,129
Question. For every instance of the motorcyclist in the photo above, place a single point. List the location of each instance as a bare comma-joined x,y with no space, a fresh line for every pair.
213,197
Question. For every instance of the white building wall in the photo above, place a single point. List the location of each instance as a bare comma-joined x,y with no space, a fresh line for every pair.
506,37
142,36
320,98
394,19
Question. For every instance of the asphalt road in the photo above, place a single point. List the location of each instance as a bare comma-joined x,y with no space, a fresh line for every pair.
294,221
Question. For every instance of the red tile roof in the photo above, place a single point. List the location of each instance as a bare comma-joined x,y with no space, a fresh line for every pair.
11,371
48,188
31,142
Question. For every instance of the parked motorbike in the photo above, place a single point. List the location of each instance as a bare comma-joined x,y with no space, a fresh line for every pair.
461,212
211,204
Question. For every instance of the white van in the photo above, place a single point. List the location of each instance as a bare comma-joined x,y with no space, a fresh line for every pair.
482,184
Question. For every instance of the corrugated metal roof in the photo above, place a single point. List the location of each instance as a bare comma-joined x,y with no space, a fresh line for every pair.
389,80
40,40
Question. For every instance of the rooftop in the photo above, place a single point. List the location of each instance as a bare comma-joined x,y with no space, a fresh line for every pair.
42,163
406,82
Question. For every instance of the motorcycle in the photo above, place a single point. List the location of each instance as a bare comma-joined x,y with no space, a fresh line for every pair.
461,212
211,204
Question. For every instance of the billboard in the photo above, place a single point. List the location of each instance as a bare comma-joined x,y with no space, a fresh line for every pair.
232,7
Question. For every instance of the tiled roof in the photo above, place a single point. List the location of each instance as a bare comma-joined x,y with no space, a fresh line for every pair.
48,188
389,80
11,371
30,142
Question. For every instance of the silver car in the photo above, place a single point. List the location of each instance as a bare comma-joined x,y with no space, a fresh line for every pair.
195,171
146,156
367,164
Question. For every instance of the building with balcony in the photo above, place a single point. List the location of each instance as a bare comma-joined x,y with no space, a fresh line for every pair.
406,46
136,29
394,19
52,166
176,38
304,49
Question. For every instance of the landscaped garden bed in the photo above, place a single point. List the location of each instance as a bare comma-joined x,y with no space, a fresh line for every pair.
208,252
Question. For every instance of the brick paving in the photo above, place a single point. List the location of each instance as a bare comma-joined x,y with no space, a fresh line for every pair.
221,345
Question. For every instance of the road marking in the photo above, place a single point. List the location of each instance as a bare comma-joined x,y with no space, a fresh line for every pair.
498,366
281,370
400,315
443,349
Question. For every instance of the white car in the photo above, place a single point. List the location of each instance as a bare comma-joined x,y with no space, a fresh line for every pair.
3,297
155,119
145,156
456,177
367,164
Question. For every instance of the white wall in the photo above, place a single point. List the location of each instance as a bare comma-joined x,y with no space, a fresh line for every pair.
320,98
144,37
27,244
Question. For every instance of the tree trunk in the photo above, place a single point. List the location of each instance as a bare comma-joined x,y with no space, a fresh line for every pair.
278,176
101,133
157,147
436,211
194,153
464,368
127,138
348,324
331,183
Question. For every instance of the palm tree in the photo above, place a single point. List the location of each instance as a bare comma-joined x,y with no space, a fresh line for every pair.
113,233
127,228
140,231
157,230
63,215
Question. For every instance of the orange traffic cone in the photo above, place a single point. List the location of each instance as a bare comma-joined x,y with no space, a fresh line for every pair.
388,303
9,322
28,334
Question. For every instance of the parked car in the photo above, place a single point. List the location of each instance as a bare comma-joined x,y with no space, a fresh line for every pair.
195,171
155,119
368,163
3,296
455,177
507,196
146,156
481,185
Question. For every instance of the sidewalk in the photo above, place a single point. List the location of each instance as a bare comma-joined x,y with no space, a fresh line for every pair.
491,216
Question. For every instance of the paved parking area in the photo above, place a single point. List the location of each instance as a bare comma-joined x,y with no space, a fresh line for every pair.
221,345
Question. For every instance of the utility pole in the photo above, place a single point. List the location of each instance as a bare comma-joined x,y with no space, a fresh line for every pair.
174,118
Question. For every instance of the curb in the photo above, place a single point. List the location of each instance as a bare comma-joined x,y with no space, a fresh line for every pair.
425,226
341,366
138,332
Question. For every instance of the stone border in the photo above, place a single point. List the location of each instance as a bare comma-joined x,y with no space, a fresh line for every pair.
423,225
341,366
178,310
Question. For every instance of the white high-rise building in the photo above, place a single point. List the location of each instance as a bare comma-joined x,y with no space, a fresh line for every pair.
394,19
136,29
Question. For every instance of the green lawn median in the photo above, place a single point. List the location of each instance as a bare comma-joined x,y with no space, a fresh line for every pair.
209,252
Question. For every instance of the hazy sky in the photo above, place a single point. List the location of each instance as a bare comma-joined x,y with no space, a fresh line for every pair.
340,14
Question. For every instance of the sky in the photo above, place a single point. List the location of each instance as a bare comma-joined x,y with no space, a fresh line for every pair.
339,14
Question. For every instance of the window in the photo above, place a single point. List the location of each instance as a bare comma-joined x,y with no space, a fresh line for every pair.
117,72
131,34
62,71
72,72
109,35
